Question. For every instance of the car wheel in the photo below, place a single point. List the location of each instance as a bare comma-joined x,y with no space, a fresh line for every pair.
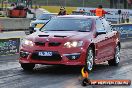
116,60
89,60
28,67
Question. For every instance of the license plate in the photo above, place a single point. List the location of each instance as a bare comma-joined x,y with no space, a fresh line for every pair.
45,53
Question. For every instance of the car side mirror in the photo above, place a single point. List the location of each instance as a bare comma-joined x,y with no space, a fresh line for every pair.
34,18
31,30
109,23
99,32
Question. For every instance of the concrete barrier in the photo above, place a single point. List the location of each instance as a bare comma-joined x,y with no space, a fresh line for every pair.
12,34
13,24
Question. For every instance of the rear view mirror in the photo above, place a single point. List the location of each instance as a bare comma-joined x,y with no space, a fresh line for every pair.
99,32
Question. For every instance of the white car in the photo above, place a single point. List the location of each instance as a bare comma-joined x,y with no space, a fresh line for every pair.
41,20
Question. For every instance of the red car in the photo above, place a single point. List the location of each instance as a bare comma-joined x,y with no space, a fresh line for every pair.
71,40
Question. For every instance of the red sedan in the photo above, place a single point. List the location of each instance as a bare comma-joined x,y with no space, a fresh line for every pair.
71,40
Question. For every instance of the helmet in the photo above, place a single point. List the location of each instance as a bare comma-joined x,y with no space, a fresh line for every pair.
62,8
100,6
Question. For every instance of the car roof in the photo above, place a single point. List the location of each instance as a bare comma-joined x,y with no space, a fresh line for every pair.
78,16
50,13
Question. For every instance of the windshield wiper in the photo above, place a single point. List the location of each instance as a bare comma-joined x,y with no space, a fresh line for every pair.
82,31
68,30
58,30
43,19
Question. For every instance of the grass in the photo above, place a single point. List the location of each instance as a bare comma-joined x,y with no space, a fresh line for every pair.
73,3
55,9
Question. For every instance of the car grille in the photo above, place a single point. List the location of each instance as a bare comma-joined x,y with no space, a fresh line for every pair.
54,44
39,43
50,44
55,57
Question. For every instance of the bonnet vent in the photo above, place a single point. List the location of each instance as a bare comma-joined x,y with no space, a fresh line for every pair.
59,36
43,35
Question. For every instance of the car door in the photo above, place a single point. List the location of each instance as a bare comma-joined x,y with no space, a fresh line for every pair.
100,41
109,39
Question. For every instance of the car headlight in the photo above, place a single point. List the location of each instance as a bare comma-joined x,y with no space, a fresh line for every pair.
27,42
73,44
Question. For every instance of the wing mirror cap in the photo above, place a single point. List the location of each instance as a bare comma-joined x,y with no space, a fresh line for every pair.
31,29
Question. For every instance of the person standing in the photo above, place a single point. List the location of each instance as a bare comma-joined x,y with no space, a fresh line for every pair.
62,11
99,11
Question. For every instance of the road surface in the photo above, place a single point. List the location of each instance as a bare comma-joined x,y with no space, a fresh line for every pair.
13,76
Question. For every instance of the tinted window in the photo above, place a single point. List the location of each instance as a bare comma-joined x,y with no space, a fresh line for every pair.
45,16
79,13
99,25
106,25
68,24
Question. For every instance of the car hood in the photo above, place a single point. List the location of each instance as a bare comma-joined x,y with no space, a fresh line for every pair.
59,36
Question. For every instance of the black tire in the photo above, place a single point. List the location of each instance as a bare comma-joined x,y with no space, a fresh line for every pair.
90,53
115,61
28,67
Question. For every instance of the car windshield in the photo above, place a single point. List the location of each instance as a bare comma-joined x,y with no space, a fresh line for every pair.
68,24
45,16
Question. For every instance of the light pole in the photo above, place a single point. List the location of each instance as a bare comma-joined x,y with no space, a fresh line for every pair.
119,4
2,4
47,2
83,2
65,3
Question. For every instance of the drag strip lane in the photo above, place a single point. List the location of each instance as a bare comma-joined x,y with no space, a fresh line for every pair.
61,76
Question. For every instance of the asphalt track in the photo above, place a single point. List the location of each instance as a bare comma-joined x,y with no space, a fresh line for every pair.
13,76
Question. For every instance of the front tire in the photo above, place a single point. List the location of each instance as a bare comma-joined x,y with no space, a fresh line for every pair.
90,59
28,67
116,60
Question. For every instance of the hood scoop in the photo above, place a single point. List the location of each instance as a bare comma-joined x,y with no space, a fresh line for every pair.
43,35
60,36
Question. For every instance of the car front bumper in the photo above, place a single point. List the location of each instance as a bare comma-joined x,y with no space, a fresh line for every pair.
74,56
